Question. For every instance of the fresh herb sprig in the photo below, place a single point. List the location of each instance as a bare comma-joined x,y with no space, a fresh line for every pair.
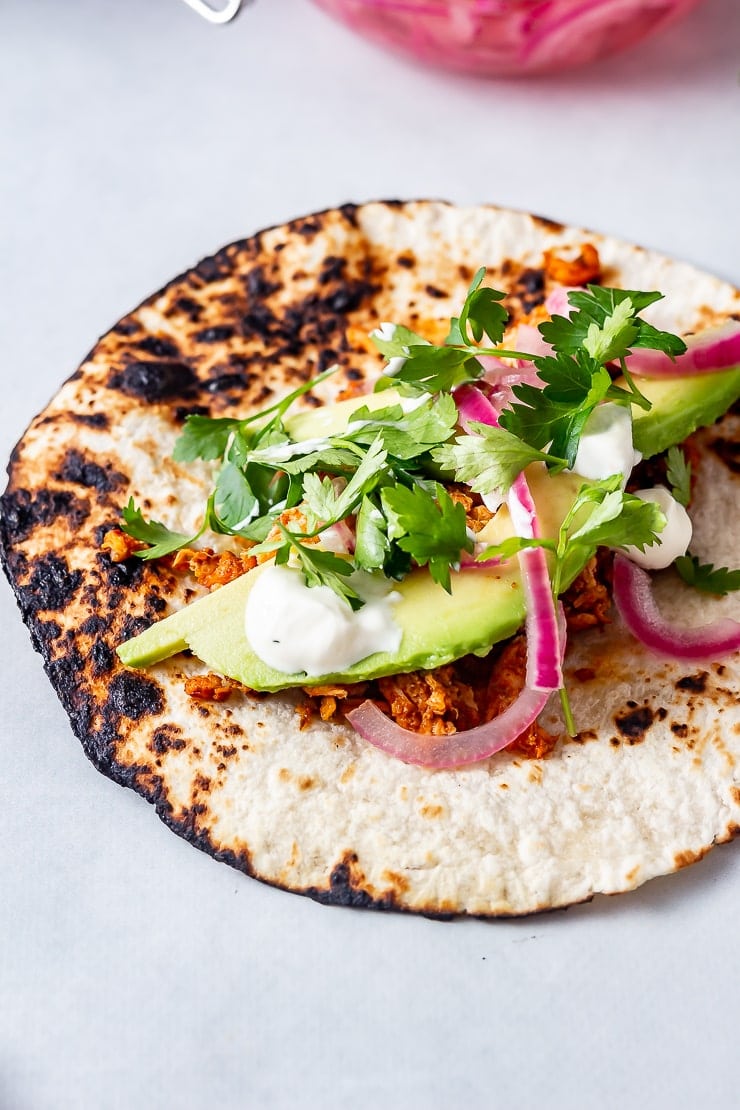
161,540
707,578
678,473
602,330
601,515
383,470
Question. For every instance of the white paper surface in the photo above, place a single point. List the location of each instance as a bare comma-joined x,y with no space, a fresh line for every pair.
134,971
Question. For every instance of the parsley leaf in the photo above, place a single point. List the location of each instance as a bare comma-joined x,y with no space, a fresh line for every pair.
432,530
405,435
703,576
490,460
482,312
678,473
162,540
327,505
234,499
322,568
203,437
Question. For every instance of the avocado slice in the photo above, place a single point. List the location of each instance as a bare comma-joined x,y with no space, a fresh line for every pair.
680,406
485,606
332,420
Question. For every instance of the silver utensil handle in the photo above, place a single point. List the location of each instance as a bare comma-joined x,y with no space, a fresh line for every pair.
215,15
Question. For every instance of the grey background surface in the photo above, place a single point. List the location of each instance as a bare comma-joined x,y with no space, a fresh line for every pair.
134,971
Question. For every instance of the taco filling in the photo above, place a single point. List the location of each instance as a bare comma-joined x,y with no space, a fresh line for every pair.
413,558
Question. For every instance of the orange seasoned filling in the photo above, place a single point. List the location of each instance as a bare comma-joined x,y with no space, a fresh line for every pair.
209,687
585,267
213,569
120,546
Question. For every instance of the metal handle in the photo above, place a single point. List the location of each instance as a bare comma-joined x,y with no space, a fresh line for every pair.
215,15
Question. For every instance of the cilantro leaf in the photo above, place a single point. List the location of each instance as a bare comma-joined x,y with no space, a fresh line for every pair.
432,530
490,460
621,520
234,500
406,435
482,312
678,474
602,321
512,546
613,338
372,545
333,460
429,369
554,417
203,437
161,539
394,340
703,576
323,568
327,505
616,519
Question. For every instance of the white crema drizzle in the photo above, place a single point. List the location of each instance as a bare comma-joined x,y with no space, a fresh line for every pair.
295,629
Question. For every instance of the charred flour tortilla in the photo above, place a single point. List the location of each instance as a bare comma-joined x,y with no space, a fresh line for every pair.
651,783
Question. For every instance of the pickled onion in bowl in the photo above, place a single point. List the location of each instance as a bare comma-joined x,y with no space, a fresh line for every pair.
506,37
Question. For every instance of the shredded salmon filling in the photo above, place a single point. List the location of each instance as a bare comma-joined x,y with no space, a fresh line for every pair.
209,687
294,520
435,702
213,569
470,691
581,270
587,601
476,513
120,546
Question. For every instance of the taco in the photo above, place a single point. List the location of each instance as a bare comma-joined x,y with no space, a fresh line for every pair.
278,784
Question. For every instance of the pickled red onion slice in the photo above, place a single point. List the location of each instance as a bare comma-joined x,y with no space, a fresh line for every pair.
531,340
461,748
543,662
557,303
544,671
633,596
470,746
474,407
707,352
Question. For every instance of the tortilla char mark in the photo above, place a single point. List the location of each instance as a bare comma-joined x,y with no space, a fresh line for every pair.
729,452
634,723
24,510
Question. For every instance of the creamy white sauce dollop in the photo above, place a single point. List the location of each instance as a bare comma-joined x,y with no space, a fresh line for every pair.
672,541
605,447
295,628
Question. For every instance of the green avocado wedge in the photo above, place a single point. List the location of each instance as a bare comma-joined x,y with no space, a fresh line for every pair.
485,606
680,406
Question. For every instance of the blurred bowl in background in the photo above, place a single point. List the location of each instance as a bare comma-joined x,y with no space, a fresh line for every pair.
506,37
